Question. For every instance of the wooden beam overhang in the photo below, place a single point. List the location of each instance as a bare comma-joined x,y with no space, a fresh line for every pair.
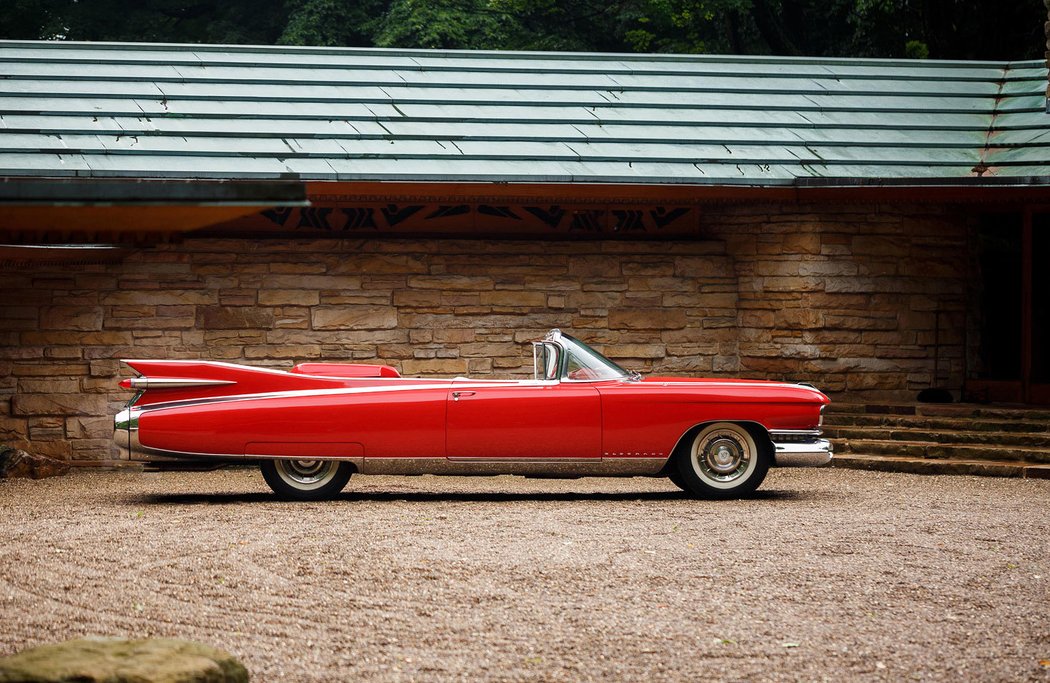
64,210
574,210
123,211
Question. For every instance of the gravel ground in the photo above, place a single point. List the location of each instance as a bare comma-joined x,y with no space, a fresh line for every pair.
824,575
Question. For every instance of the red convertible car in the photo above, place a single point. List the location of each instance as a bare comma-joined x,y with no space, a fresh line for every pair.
581,415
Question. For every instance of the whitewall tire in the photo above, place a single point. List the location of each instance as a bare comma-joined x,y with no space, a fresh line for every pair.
723,460
305,479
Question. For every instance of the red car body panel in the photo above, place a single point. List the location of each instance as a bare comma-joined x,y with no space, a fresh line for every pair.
521,420
384,421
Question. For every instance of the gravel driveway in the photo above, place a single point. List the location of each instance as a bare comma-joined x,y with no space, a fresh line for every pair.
825,575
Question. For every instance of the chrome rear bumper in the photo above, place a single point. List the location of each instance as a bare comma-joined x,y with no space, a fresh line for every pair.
800,448
125,429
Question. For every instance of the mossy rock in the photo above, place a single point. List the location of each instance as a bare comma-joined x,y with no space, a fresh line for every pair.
152,660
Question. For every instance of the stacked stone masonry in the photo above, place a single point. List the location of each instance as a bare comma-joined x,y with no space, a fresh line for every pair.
846,297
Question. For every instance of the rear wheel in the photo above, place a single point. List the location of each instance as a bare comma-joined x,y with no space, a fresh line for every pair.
306,479
723,461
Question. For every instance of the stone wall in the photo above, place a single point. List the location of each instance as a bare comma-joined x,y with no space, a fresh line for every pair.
844,297
852,298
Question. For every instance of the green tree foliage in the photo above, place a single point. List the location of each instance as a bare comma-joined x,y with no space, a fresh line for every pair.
448,24
939,29
331,23
950,29
180,21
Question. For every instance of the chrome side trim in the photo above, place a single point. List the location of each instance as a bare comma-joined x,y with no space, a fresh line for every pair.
813,453
595,467
294,393
175,382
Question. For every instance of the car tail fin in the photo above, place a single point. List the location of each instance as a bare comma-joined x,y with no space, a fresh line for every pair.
162,381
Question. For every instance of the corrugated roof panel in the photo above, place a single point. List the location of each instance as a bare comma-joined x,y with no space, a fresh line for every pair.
127,165
1035,101
77,105
1020,138
804,102
269,109
1021,120
345,128
42,164
267,112
1019,155
145,125
90,146
1022,87
78,88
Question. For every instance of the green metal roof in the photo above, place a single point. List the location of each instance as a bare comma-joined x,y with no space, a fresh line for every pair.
235,112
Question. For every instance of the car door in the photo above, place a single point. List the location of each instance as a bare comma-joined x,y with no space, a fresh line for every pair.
528,420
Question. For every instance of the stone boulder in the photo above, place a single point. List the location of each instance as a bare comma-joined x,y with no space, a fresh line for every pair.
153,660
16,463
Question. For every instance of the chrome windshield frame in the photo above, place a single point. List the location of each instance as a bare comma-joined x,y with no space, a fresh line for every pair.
542,368
565,346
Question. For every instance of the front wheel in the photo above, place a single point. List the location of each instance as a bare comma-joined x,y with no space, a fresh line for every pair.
306,479
723,461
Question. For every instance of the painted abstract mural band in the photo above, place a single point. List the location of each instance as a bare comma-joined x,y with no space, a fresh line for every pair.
548,220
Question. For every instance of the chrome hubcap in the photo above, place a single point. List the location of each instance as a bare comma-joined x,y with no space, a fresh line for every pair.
306,474
722,456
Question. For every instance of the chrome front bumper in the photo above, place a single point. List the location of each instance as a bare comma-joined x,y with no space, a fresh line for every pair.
800,449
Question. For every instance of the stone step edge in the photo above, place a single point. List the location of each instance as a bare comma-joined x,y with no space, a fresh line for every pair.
990,412
852,441
943,436
980,468
922,421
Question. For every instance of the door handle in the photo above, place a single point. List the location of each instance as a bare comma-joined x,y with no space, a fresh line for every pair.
457,394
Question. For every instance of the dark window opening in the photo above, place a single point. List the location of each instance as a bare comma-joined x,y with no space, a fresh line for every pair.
999,244
1041,298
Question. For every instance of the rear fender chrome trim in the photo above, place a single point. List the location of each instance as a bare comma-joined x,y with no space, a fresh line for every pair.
175,382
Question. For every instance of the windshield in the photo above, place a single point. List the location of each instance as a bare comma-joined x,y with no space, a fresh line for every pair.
584,363
561,356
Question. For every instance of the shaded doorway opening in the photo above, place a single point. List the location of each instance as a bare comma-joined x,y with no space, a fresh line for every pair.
1011,362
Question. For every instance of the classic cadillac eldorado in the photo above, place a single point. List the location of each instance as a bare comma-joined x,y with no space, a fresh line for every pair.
581,414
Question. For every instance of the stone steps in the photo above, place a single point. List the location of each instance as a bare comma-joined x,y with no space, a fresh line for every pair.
943,438
938,423
941,451
980,468
961,437
961,410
